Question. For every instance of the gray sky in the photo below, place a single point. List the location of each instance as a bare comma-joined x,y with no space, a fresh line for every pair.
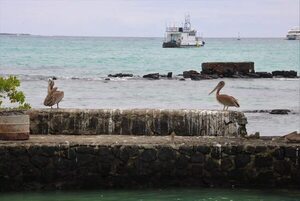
213,18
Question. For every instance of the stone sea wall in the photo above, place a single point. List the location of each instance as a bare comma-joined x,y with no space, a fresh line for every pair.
137,122
86,162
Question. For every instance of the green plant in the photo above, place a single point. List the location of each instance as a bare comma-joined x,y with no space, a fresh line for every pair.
8,89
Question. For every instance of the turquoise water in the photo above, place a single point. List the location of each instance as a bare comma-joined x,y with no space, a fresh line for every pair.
82,63
97,56
158,195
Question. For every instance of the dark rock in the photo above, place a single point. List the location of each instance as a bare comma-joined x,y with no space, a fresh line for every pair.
107,79
186,150
280,111
181,79
154,76
166,153
120,75
234,149
226,164
203,149
265,178
197,158
241,160
40,161
253,75
148,155
291,152
182,162
282,167
279,154
200,77
227,69
216,152
211,165
263,161
259,149
287,74
190,74
169,75
214,76
264,74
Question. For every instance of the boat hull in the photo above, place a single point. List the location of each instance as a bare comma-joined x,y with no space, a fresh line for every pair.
170,45
176,45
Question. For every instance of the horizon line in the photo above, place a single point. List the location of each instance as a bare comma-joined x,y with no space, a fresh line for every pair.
114,36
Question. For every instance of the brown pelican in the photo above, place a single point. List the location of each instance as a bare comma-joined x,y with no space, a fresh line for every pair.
227,101
54,96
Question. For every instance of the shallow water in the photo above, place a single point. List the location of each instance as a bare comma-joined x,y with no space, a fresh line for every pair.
252,94
82,63
159,195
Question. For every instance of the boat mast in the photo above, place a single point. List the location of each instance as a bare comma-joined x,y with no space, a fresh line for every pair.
187,23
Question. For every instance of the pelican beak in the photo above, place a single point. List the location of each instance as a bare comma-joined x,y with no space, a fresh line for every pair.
214,89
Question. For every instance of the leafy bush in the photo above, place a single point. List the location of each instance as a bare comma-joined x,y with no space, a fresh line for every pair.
8,89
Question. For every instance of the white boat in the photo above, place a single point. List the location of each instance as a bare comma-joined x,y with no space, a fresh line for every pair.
293,34
185,36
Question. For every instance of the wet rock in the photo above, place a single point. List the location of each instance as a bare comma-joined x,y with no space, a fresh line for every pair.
280,111
154,76
211,164
226,164
120,75
200,77
40,161
107,79
228,69
190,74
287,74
241,160
203,149
181,79
282,167
264,74
279,154
253,75
166,153
197,158
148,155
291,152
182,162
263,161
169,75
214,76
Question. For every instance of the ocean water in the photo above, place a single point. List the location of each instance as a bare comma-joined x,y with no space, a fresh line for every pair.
82,63
205,194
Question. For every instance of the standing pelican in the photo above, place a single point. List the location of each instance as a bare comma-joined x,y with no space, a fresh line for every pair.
227,101
54,96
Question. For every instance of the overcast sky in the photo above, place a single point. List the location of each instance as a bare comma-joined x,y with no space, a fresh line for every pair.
212,18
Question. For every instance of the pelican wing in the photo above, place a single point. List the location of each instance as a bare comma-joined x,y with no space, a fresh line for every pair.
228,100
53,97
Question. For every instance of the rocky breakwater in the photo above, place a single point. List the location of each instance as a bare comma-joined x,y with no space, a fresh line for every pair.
152,122
240,70
109,161
214,70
